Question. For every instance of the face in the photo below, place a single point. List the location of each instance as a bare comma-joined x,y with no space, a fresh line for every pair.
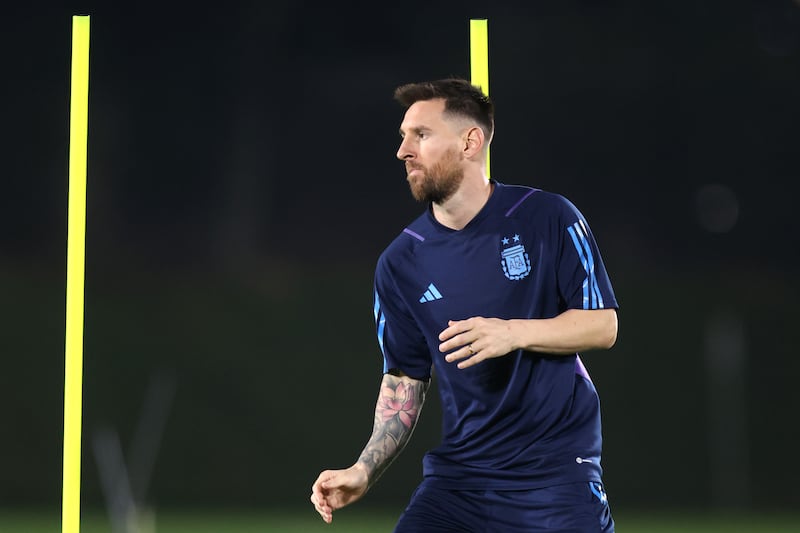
431,151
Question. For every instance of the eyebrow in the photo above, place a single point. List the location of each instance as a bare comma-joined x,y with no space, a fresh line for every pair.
418,129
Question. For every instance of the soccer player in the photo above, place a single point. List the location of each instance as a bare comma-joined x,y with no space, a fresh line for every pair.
494,289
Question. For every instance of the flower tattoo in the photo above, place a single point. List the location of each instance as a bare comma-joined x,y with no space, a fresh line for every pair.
399,402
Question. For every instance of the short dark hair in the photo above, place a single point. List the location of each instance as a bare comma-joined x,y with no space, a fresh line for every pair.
460,98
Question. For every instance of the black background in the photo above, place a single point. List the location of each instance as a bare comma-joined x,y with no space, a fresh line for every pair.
242,182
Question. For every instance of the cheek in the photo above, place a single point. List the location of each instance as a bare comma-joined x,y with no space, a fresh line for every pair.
432,153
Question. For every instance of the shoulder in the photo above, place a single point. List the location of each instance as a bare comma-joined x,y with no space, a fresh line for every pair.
405,243
520,201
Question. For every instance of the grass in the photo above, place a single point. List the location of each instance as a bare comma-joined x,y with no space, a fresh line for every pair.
360,521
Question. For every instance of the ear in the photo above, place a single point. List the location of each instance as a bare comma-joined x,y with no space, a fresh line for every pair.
473,141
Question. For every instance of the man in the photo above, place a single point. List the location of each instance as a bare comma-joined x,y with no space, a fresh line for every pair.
495,287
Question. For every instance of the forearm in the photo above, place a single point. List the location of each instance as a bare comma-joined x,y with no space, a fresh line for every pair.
572,331
396,413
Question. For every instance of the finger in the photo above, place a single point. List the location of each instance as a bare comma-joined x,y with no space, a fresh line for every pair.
318,492
319,500
472,361
460,341
454,327
451,345
323,509
323,481
319,503
318,496
462,353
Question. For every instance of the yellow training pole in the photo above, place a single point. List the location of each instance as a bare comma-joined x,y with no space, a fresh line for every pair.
76,242
479,60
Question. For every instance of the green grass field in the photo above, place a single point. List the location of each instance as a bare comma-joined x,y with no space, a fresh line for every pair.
355,521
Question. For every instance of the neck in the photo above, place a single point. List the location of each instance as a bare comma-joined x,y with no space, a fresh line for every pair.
457,211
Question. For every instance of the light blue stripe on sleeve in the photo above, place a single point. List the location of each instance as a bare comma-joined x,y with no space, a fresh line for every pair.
592,297
582,255
380,322
592,274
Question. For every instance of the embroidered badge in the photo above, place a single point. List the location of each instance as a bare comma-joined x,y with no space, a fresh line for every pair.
514,258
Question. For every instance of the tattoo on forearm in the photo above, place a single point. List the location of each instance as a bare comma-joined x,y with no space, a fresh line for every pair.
396,414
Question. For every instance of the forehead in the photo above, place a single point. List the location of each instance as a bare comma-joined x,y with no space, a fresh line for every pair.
425,113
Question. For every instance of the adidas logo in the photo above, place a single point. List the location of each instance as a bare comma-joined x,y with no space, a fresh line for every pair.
431,294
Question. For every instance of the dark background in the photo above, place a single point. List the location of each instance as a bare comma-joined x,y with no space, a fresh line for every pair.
242,182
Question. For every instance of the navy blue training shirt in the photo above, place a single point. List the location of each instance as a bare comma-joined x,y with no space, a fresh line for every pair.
523,420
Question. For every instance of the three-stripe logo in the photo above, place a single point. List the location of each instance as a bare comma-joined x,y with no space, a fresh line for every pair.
431,294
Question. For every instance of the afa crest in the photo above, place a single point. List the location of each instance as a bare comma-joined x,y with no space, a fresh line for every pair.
514,259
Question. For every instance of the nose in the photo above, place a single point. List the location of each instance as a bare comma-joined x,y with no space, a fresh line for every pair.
404,152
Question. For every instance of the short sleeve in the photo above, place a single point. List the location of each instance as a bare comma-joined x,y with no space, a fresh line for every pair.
583,282
401,341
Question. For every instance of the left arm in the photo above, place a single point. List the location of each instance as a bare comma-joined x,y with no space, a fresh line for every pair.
477,339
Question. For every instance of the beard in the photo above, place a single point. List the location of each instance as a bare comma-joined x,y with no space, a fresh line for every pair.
439,182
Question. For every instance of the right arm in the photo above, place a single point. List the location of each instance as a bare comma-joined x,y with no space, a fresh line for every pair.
396,413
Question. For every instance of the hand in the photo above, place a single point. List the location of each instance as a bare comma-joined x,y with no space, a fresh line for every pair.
476,339
334,489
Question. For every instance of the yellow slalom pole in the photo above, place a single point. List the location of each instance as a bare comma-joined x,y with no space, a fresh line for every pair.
479,60
76,243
